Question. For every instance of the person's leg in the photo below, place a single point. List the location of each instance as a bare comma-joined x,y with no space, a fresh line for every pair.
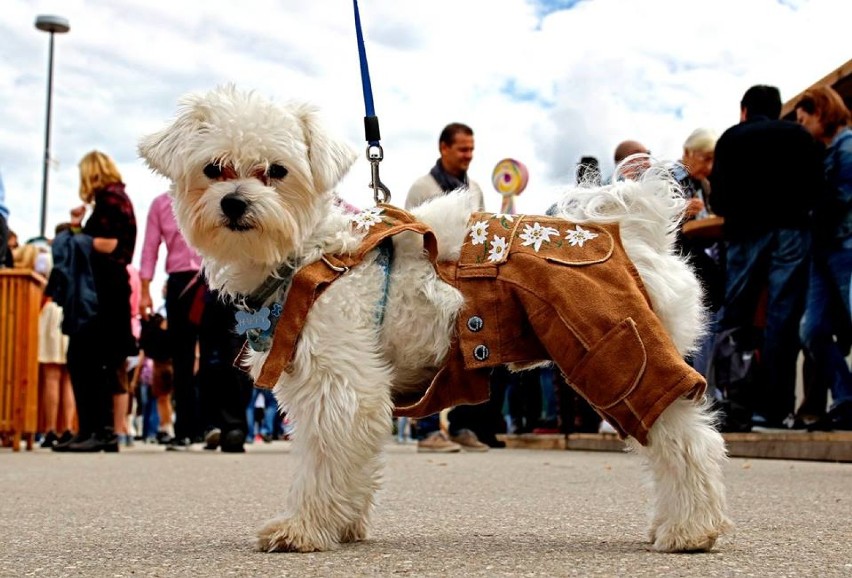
515,403
81,369
428,425
814,404
250,417
549,405
94,376
491,421
51,376
120,408
401,429
532,398
162,388
840,264
270,413
788,278
67,404
817,339
183,336
747,265
229,389
113,411
746,276
700,360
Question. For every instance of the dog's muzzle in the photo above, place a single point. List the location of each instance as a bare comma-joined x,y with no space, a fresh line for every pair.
235,207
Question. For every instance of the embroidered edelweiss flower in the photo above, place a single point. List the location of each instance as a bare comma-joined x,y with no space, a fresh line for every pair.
536,235
479,232
507,216
579,236
367,218
498,249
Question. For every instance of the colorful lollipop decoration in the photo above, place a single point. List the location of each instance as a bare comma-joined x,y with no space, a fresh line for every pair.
509,178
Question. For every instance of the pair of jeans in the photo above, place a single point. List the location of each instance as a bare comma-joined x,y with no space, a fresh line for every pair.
270,411
776,262
827,316
147,405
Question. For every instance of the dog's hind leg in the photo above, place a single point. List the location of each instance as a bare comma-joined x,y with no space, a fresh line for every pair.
685,455
340,404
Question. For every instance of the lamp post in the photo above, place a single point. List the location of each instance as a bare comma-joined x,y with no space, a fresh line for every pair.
54,25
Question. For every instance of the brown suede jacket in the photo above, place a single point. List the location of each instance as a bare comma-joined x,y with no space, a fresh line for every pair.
535,288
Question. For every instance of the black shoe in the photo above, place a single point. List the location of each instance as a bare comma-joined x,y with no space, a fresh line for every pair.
95,443
63,446
110,443
49,440
66,437
178,444
234,441
839,418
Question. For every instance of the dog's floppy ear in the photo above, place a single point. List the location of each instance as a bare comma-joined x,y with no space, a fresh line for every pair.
164,151
329,157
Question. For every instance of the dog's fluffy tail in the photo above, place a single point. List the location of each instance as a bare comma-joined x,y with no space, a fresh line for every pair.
649,212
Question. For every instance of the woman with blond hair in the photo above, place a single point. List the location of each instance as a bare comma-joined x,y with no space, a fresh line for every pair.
97,352
692,173
822,112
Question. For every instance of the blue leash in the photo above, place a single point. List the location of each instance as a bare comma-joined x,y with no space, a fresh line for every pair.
375,154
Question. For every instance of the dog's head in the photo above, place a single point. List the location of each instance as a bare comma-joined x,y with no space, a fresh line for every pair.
250,178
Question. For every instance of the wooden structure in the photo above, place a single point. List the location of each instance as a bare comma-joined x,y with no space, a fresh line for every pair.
781,445
839,79
20,302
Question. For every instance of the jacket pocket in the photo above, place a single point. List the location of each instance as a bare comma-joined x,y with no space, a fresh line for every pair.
612,367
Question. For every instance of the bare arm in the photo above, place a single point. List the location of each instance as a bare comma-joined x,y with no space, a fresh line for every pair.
104,245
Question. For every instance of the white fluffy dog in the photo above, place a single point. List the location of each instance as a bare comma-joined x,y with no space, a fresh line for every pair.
252,187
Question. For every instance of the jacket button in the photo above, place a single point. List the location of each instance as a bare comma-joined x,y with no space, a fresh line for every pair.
481,353
475,323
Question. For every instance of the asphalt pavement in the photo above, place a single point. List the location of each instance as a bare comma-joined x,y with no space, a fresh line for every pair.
509,512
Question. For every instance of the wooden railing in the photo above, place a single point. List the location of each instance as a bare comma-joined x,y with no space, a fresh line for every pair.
20,302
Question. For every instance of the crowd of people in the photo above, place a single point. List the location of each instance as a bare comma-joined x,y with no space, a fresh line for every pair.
776,273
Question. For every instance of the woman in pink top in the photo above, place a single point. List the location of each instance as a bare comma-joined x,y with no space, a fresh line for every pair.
182,266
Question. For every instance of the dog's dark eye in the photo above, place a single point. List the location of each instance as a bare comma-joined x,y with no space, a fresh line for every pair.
276,172
212,171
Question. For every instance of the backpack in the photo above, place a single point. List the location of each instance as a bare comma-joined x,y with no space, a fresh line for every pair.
734,374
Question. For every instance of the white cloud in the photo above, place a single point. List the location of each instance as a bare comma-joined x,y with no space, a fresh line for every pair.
581,79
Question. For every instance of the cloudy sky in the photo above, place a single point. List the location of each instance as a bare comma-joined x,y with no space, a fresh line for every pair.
543,81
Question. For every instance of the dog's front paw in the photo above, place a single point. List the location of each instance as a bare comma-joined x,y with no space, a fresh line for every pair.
288,535
354,532
687,538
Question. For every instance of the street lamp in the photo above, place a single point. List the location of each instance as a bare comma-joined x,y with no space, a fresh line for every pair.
52,24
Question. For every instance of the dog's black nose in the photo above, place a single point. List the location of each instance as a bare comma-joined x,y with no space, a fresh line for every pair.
233,206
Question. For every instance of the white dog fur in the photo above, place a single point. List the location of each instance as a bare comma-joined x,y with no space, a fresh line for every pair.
346,367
